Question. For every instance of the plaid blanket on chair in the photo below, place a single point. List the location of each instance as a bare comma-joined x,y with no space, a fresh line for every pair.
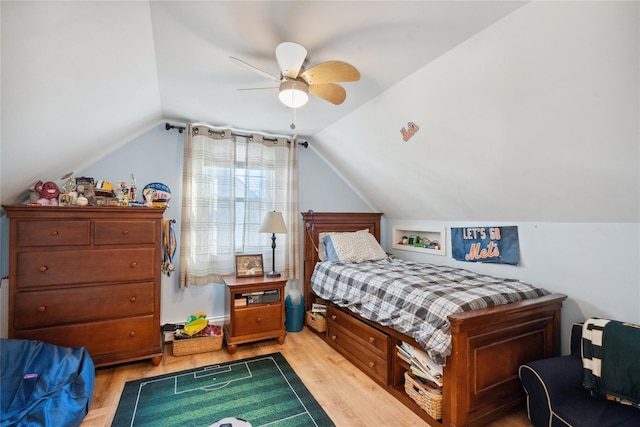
415,298
611,360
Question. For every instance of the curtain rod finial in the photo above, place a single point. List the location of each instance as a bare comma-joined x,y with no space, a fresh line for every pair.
169,126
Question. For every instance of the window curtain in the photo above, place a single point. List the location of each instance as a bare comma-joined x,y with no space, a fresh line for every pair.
230,182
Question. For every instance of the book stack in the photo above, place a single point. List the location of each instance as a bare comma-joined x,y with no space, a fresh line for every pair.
318,308
262,297
422,365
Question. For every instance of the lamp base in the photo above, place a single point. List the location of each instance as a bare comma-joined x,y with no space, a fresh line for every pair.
273,274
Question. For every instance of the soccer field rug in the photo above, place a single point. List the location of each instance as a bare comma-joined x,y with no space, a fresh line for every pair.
262,390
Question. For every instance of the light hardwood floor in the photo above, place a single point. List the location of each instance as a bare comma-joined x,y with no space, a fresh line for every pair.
349,397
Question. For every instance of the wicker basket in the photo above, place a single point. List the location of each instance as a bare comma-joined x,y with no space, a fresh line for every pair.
427,398
195,345
319,323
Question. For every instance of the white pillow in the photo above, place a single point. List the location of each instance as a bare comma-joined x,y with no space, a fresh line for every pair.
322,249
354,247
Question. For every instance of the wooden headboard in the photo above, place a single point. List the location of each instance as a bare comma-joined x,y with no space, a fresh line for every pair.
323,222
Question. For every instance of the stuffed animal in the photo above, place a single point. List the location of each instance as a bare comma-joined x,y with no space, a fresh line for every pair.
49,193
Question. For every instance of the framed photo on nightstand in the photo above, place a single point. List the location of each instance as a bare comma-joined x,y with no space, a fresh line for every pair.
249,265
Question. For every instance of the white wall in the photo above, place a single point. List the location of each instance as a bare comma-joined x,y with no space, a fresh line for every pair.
533,122
594,264
157,156
533,119
321,189
77,77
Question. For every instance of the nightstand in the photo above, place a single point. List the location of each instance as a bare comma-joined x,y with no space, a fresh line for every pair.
256,310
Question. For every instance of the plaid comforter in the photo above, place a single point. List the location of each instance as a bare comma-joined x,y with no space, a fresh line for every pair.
414,298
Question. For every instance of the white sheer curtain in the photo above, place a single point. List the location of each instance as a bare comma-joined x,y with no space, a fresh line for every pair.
229,184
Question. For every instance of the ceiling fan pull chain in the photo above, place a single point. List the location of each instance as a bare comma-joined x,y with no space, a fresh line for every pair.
293,120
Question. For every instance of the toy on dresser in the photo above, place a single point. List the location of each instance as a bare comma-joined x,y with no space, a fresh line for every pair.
49,193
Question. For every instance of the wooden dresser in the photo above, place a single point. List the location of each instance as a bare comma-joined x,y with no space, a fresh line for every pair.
87,277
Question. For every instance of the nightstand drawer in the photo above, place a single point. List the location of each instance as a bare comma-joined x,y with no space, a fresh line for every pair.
53,233
38,269
72,305
253,320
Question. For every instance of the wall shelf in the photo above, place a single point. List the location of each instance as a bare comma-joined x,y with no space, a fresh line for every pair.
430,234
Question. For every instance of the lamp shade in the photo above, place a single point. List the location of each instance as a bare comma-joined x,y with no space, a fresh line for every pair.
293,93
273,223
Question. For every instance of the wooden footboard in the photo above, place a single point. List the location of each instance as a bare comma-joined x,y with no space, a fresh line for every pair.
488,345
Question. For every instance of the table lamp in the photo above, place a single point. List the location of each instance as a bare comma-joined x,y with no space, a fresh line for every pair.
273,223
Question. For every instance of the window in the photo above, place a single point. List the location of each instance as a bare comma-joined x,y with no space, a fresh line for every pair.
230,183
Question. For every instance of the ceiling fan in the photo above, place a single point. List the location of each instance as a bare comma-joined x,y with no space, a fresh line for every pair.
296,83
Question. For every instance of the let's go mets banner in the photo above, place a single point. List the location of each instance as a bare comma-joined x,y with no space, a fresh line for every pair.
486,244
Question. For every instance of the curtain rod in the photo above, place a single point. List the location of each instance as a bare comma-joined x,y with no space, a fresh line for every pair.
169,126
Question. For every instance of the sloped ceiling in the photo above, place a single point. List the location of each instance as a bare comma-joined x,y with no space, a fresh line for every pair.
80,79
533,119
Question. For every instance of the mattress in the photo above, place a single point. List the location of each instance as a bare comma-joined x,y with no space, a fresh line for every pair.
415,298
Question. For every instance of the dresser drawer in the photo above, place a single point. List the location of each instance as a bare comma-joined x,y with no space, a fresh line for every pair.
112,336
72,305
254,320
124,232
376,341
347,344
53,233
38,269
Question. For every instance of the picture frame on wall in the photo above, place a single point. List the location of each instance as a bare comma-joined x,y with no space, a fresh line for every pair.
249,265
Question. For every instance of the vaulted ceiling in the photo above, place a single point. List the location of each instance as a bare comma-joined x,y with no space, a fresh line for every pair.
80,79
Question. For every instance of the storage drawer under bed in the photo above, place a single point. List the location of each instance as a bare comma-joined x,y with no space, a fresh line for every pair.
375,340
363,345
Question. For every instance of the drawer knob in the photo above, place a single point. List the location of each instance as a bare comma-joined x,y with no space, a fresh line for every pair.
333,337
132,334
55,233
125,232
134,264
132,299
371,364
259,319
42,308
333,317
43,268
371,340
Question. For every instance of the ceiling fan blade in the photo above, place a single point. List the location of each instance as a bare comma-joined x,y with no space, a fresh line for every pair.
331,92
258,70
290,58
331,71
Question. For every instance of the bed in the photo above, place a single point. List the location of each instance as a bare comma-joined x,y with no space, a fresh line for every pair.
487,345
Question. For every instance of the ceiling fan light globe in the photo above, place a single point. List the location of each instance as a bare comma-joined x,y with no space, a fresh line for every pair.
293,94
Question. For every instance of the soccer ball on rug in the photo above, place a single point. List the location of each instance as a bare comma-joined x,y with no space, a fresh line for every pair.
231,422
